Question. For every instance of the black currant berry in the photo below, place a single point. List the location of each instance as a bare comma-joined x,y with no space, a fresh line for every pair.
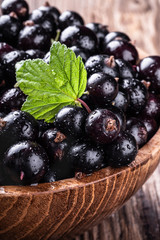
17,126
70,18
125,69
10,27
125,84
20,7
102,126
115,36
35,53
119,114
12,100
51,13
122,49
121,100
44,19
81,37
85,157
100,30
152,107
138,94
55,144
70,120
137,128
34,37
122,151
102,63
9,61
102,88
5,48
150,124
25,162
59,170
149,70
43,126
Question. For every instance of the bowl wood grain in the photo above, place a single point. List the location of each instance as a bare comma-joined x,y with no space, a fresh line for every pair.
65,208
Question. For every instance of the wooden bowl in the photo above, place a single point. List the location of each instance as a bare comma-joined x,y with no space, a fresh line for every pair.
65,208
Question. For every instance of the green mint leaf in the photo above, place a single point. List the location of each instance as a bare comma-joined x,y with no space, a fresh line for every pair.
51,86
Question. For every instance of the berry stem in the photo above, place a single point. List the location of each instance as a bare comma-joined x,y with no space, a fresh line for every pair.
57,35
84,105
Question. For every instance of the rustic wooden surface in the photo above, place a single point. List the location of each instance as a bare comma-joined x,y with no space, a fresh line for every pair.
139,218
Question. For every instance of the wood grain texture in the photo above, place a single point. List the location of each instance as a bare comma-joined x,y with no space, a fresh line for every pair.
62,209
138,219
139,18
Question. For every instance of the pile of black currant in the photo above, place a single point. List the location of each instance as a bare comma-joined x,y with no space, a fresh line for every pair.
121,105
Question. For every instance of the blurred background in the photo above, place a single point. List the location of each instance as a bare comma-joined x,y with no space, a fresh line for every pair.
138,18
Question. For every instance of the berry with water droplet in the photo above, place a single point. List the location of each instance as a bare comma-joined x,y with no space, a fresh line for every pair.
25,162
122,151
102,126
86,157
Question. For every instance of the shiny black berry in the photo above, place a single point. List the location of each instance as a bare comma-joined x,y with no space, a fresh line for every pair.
45,19
9,61
121,100
12,100
35,53
43,126
119,114
100,30
125,69
70,120
55,144
102,126
102,63
25,162
86,157
20,7
115,36
149,69
81,37
122,151
150,124
70,18
138,97
122,49
102,88
34,37
5,48
137,128
17,126
152,107
10,27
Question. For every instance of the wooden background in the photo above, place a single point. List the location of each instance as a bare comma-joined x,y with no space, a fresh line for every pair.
138,18
139,219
